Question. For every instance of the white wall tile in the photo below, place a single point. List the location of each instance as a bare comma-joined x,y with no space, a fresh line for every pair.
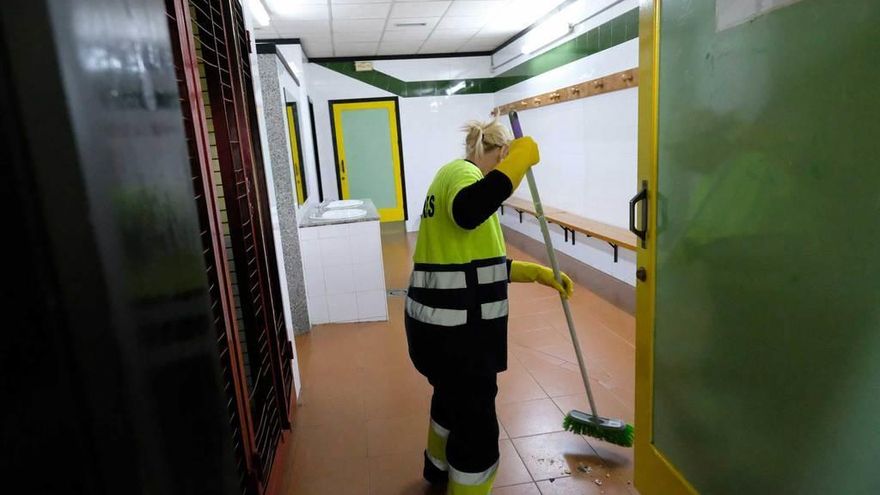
342,307
365,250
335,251
338,279
370,276
372,305
308,233
332,231
318,312
315,282
432,137
363,229
311,252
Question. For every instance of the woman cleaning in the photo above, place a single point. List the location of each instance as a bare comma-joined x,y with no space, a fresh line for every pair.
456,309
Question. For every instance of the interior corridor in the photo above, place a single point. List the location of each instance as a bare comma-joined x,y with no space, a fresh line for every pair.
362,422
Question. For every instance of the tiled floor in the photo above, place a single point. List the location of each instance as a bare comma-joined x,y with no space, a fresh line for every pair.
362,423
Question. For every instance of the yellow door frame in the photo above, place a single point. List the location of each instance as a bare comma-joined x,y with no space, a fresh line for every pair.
397,213
654,474
296,153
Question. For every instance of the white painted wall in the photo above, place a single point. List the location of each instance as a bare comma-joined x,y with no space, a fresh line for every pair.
430,126
588,153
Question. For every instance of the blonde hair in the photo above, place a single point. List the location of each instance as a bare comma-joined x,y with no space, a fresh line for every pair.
484,137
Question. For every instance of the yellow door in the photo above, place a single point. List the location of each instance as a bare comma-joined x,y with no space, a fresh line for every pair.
654,473
299,175
369,163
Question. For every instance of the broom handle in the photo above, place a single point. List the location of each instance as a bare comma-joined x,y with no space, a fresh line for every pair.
551,253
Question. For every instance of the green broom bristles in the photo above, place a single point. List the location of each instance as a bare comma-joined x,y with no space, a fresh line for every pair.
583,424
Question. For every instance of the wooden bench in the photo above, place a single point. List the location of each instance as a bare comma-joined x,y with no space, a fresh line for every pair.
526,206
616,237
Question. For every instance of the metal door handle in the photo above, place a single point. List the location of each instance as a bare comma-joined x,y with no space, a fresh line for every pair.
641,197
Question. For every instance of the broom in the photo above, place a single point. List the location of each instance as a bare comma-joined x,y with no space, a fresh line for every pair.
610,430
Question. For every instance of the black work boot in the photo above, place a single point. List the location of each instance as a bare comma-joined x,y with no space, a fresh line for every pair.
432,473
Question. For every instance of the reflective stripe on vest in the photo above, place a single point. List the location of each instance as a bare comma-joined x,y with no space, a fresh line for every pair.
438,280
435,316
492,273
473,479
492,310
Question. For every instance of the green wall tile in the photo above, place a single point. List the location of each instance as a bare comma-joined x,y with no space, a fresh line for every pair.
618,31
592,41
605,40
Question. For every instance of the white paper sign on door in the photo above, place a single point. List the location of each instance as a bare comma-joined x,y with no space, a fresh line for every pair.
730,13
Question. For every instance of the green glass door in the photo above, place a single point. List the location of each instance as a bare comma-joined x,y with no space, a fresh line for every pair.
765,366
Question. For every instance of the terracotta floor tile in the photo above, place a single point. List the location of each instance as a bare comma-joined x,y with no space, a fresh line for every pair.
362,423
541,337
618,460
502,433
400,474
350,478
321,408
618,384
582,486
530,418
517,385
531,358
389,404
533,301
511,471
525,323
525,489
555,455
319,448
397,435
557,381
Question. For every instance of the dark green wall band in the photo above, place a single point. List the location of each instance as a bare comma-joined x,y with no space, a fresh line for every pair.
619,30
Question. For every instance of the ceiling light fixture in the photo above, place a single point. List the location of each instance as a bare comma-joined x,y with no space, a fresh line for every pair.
258,12
549,31
410,24
455,89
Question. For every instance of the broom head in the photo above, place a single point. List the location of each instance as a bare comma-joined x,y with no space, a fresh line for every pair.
610,430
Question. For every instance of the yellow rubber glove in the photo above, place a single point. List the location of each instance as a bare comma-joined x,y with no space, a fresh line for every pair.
523,271
522,155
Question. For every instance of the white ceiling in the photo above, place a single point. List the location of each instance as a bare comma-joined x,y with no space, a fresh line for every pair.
346,28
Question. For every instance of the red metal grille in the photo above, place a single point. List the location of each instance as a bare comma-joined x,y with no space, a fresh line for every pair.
215,262
223,60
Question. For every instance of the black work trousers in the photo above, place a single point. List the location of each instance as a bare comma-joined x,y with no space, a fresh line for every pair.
464,404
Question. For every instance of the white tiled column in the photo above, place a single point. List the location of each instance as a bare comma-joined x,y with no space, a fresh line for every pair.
345,277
